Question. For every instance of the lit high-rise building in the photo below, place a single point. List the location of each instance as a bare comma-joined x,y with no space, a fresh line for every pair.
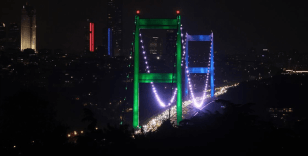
115,27
89,36
169,56
156,46
28,28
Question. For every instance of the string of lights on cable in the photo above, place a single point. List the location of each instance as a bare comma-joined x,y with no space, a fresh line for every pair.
161,103
198,105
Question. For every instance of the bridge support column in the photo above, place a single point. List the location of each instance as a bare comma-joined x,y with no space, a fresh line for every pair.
136,76
212,67
186,78
179,72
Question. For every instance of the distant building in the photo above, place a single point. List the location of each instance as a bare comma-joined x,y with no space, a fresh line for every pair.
156,57
28,27
115,27
2,36
265,53
171,41
13,37
171,37
156,46
280,116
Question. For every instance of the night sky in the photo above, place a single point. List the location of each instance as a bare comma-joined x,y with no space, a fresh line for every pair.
237,25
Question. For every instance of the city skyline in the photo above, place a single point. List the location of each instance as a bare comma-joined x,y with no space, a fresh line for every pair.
215,76
238,26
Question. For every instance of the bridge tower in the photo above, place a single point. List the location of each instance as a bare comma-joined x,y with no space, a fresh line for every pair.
201,70
157,77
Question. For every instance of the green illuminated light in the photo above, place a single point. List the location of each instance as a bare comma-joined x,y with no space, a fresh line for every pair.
136,76
179,72
158,27
158,22
157,78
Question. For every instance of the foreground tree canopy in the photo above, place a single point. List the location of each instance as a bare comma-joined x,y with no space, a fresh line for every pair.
28,127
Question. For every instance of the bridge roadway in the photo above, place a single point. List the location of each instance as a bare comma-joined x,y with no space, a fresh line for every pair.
189,111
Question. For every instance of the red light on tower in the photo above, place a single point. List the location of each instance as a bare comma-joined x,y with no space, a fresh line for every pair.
138,12
177,12
91,37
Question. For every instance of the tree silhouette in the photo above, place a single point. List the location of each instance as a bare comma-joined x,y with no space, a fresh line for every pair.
89,116
27,122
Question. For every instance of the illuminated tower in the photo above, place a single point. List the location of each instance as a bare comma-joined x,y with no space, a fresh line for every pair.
91,37
115,27
28,27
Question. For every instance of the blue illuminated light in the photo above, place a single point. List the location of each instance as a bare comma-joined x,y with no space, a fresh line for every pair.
109,42
212,66
199,37
186,61
198,70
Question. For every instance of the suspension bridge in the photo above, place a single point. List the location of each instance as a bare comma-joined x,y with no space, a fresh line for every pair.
176,112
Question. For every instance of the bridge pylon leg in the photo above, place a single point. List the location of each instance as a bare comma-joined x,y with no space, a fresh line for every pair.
136,76
179,72
212,67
